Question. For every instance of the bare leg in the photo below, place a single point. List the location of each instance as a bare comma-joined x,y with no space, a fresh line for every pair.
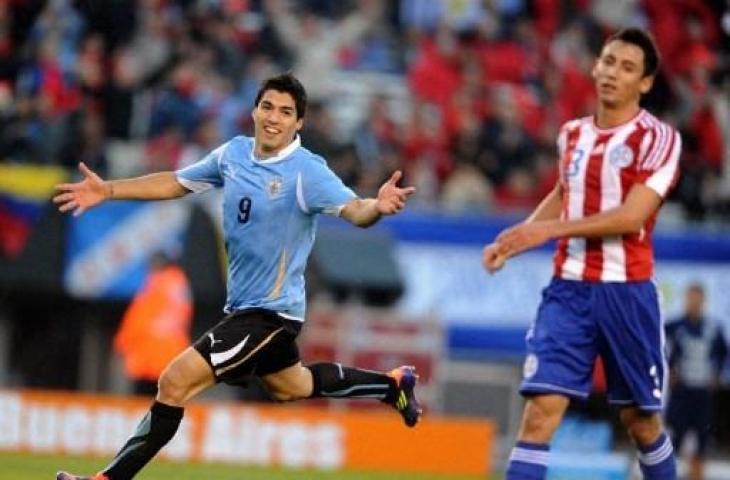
656,453
696,465
333,380
187,375
292,383
540,419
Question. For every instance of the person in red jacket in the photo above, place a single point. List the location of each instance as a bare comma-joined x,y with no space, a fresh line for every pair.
156,325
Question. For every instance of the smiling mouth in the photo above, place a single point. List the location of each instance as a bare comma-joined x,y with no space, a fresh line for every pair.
608,87
272,130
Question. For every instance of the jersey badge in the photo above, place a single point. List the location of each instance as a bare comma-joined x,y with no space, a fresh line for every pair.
621,156
275,187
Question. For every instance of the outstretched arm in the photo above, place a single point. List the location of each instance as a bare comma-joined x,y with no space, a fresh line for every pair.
630,217
93,190
285,24
391,199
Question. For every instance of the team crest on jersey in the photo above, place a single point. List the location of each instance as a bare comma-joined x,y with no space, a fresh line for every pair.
275,186
621,156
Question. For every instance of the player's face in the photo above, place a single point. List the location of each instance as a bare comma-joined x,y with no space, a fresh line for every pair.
275,121
619,74
695,302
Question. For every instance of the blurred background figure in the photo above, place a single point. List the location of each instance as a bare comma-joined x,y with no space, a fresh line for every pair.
316,43
698,352
156,325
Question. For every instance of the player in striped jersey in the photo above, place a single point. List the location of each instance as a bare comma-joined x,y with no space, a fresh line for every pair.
616,168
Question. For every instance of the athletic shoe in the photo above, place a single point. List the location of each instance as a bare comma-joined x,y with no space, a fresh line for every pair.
68,476
405,397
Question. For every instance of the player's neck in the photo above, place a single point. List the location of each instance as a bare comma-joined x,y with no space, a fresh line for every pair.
610,117
261,154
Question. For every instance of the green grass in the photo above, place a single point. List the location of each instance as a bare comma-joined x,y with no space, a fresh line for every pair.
43,467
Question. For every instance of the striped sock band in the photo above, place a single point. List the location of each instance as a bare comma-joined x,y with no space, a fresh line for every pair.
657,460
528,461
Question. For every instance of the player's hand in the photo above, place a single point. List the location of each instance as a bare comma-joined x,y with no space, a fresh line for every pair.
392,198
524,236
81,196
492,260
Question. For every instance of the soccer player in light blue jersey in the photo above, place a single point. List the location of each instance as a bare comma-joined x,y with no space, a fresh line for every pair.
273,191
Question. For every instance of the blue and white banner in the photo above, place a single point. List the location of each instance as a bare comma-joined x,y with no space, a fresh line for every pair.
109,247
448,280
440,262
487,315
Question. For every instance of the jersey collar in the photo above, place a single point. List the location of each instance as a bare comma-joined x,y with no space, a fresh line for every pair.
603,131
283,153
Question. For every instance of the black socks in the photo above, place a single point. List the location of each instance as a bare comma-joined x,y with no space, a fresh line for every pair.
153,433
332,380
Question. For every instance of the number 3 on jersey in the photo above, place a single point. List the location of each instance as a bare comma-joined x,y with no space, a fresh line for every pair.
574,165
244,209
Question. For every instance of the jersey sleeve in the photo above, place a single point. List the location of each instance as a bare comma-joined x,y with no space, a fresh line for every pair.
560,147
562,144
319,190
659,166
205,174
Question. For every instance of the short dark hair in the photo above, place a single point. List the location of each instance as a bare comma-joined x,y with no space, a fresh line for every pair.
696,287
645,42
287,83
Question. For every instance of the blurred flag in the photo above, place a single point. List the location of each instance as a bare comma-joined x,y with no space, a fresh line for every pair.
109,247
24,193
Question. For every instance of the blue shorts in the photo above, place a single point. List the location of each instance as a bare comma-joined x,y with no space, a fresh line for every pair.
577,321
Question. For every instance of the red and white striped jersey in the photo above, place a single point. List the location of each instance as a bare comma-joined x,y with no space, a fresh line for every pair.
598,167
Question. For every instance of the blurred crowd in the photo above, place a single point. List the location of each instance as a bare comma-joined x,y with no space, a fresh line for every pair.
130,86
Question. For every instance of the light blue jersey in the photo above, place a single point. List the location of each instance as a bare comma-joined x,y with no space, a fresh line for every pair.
270,210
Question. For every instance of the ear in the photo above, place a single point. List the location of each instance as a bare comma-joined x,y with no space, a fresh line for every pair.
646,84
300,123
594,70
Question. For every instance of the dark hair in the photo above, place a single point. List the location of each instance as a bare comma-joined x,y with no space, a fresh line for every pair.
645,42
696,287
286,83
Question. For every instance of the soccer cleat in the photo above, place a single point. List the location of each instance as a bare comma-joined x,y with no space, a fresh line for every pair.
68,476
405,397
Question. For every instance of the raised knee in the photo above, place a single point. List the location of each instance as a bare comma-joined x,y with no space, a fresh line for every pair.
286,395
281,396
644,430
644,433
172,387
540,421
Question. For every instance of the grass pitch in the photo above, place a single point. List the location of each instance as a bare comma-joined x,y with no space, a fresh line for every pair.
43,467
